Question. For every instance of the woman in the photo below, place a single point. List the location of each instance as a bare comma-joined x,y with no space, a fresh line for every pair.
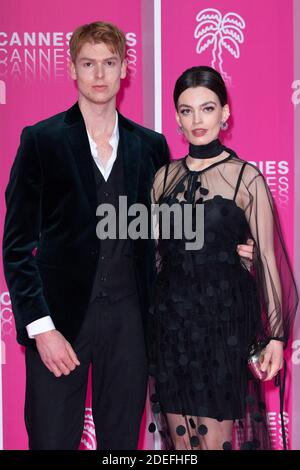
209,306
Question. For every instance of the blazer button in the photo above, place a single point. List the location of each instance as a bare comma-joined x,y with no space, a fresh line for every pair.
103,278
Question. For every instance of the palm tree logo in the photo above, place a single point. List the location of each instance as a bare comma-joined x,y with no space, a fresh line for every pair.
221,32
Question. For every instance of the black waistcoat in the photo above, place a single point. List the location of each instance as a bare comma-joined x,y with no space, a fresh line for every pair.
115,275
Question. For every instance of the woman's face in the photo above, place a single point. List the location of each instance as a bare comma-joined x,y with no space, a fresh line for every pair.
200,115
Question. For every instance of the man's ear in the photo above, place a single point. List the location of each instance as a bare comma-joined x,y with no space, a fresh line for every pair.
124,68
72,70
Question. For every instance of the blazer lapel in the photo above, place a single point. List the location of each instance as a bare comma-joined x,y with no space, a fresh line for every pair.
131,150
130,147
78,139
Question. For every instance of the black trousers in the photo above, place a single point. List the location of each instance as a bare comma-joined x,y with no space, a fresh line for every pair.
112,340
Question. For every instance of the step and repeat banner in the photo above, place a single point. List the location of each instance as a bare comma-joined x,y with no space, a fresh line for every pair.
252,43
34,53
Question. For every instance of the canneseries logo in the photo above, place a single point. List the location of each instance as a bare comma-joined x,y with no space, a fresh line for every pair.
296,352
277,178
6,319
296,93
88,440
2,92
32,55
43,56
219,33
224,33
6,314
274,428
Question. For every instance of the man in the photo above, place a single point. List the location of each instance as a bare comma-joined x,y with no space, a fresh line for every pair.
79,300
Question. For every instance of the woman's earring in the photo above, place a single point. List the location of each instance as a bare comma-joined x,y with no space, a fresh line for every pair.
224,126
179,130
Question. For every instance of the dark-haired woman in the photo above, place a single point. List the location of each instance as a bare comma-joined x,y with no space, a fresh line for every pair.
209,307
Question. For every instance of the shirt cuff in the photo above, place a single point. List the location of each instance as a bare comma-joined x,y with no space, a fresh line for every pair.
40,326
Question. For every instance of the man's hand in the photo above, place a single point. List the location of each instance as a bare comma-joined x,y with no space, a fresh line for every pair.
56,353
246,251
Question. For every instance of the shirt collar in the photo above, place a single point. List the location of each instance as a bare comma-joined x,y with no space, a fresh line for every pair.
115,135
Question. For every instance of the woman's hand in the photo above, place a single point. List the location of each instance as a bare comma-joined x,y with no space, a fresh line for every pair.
246,251
273,359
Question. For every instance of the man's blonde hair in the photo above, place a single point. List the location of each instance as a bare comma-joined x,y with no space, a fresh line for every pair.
97,32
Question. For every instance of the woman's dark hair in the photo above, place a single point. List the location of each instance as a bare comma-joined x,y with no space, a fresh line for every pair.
201,76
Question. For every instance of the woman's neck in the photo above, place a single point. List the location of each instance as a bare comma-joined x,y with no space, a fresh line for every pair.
196,164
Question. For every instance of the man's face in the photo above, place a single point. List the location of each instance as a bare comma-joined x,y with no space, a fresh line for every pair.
98,72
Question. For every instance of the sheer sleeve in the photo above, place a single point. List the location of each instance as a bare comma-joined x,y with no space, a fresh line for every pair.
156,192
273,273
159,183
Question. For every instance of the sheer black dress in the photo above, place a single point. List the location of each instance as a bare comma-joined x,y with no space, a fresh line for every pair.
210,306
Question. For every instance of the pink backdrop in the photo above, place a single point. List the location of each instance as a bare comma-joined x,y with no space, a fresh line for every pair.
35,89
256,53
251,43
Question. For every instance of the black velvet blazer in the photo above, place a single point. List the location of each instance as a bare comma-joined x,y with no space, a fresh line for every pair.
50,246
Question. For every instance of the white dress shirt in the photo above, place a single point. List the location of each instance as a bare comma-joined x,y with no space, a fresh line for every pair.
45,323
114,140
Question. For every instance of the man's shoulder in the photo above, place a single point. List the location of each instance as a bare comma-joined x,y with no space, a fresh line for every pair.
49,125
52,123
144,132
